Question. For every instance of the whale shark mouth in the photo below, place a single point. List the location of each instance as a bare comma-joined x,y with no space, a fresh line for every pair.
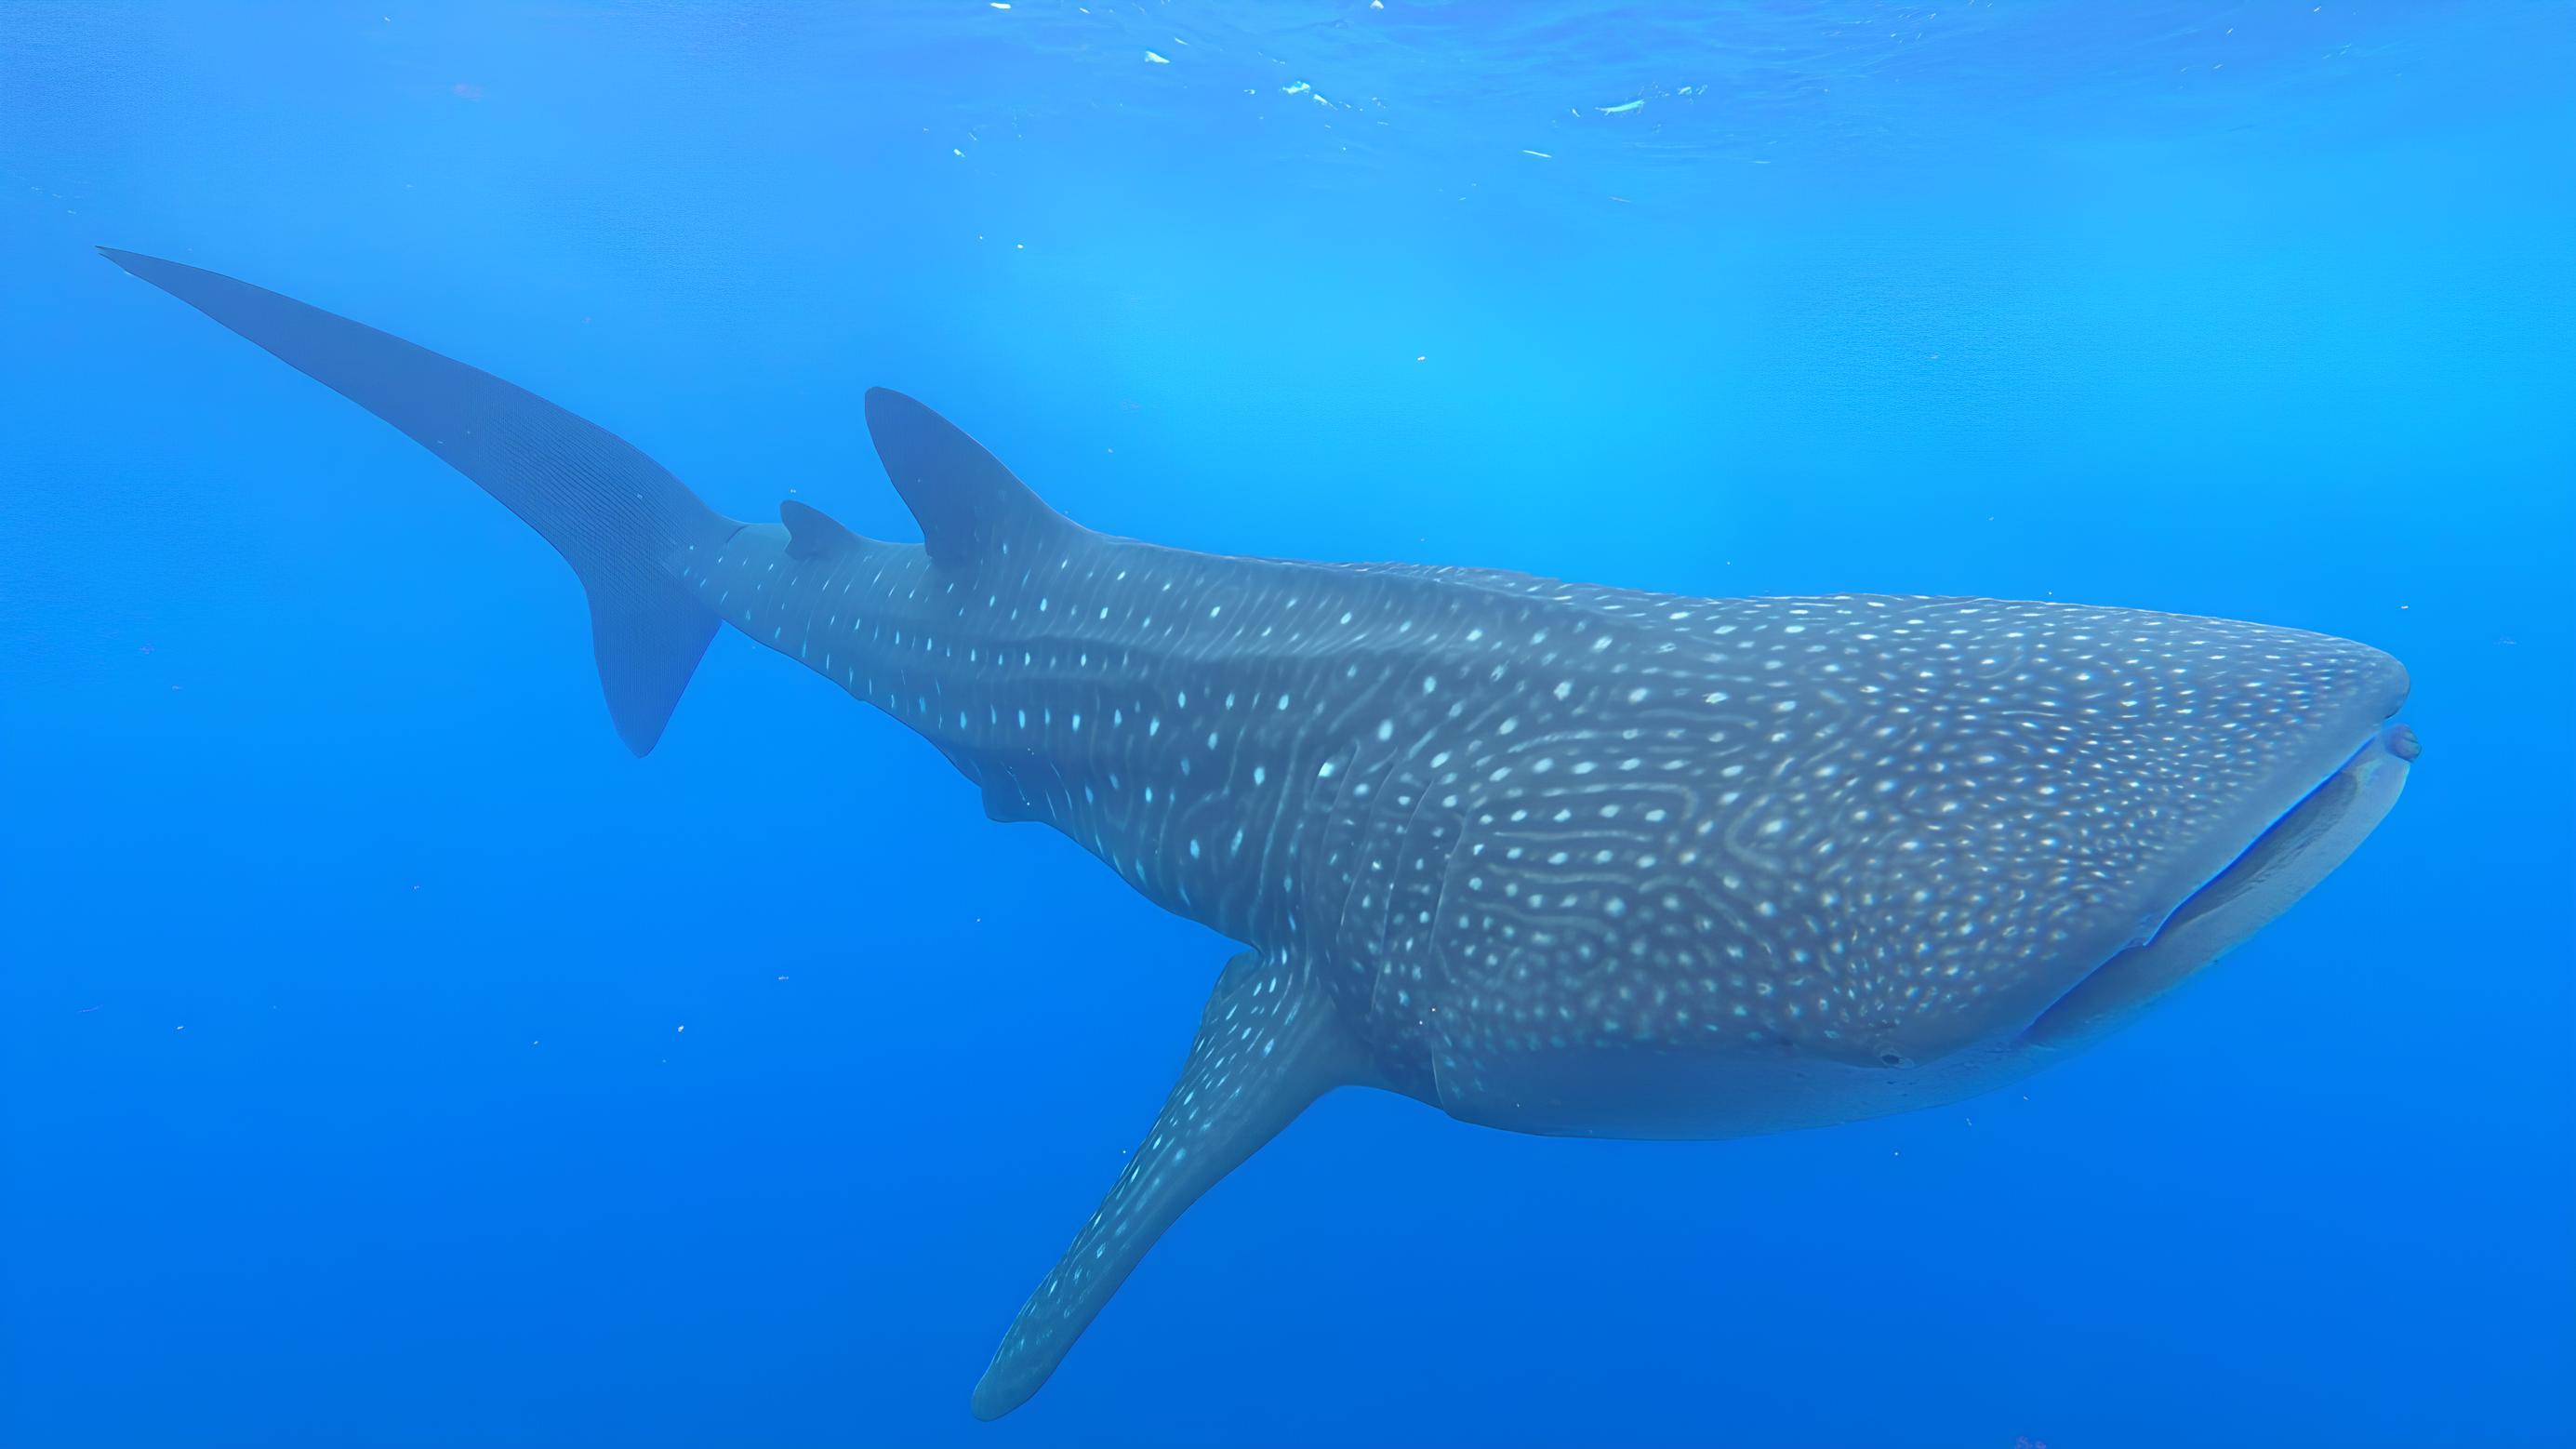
2278,866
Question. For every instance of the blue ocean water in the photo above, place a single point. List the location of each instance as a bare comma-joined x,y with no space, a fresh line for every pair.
388,1058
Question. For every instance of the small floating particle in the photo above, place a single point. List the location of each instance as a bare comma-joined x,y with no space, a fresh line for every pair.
1299,89
1542,155
1621,109
1158,59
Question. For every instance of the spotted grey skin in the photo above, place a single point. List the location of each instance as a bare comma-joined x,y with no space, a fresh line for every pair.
1550,857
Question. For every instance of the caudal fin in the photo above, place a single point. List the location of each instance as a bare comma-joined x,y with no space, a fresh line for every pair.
616,516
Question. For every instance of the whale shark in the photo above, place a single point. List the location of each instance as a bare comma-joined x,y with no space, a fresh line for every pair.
1550,857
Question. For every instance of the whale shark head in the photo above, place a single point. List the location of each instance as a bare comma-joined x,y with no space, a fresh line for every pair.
2137,787
1904,849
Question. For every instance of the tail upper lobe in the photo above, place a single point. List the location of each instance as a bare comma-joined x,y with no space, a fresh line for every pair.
615,515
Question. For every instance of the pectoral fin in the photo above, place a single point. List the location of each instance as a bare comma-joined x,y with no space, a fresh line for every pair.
1268,1044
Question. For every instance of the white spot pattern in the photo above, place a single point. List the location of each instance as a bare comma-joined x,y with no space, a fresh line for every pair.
1860,828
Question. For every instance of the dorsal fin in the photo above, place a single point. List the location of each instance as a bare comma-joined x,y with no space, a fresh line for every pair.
969,505
812,533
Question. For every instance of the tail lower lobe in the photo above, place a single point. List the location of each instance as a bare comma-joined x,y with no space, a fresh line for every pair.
616,516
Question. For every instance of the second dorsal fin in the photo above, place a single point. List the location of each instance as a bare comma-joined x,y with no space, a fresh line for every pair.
970,507
812,533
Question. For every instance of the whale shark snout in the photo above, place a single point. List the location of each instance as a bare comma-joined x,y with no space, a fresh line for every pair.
2278,866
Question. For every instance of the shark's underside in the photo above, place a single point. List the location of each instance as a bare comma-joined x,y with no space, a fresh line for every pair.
1549,857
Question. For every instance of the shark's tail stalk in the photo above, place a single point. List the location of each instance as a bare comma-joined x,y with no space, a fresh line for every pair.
620,519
